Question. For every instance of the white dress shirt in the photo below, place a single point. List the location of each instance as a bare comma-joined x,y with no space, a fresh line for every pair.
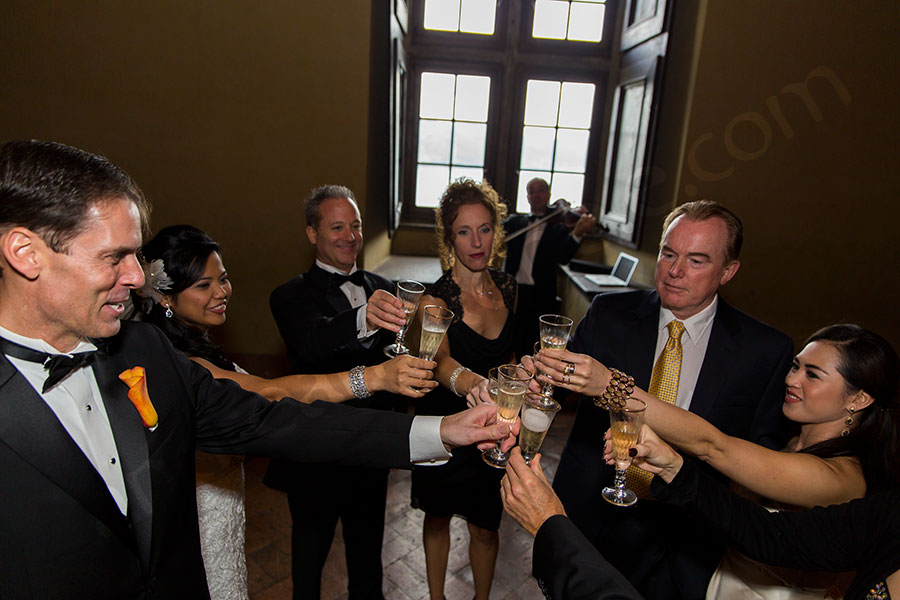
693,344
356,295
77,403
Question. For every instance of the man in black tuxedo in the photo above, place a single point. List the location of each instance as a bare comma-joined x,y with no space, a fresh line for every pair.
97,496
732,374
336,317
532,258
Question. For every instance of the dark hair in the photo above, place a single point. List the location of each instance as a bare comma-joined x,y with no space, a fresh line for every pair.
49,188
701,210
184,250
868,363
461,192
319,195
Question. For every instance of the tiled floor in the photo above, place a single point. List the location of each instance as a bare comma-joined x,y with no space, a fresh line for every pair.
268,543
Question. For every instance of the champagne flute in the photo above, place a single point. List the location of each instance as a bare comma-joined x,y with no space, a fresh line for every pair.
625,424
513,382
555,331
409,292
537,415
435,321
494,383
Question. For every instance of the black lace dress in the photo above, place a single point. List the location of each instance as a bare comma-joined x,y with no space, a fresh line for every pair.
466,486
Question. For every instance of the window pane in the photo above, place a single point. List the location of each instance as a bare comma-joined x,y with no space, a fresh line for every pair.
522,205
576,105
537,147
541,102
568,186
474,173
571,150
436,97
468,144
586,22
550,19
430,183
442,15
434,141
472,98
628,135
478,16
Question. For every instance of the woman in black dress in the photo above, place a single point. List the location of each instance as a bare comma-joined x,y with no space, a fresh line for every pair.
481,336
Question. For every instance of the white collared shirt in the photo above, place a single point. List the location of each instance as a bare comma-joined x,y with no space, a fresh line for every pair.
694,342
356,295
78,405
529,249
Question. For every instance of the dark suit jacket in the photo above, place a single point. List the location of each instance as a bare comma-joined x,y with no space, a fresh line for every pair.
319,330
861,535
568,567
62,535
740,390
557,247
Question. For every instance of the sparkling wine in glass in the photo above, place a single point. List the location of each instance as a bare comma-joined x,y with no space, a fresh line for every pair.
554,331
625,425
537,415
435,321
409,292
513,382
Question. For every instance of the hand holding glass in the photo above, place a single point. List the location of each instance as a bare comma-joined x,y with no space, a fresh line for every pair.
435,321
625,426
409,292
555,331
513,382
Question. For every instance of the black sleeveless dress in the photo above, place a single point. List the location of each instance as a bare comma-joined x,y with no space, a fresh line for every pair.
465,486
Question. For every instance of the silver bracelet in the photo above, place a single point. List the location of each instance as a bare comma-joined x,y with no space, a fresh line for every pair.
453,377
358,382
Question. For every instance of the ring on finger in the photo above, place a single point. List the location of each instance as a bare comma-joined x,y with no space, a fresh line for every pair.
570,369
566,379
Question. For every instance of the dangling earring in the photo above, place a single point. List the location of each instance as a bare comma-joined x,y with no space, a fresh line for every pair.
169,312
848,422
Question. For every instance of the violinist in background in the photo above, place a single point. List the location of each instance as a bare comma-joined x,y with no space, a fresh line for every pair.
532,259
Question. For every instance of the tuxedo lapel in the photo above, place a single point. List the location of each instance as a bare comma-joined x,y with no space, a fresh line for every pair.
30,428
333,297
131,442
720,352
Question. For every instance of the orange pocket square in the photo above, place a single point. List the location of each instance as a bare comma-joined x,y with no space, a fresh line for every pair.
136,381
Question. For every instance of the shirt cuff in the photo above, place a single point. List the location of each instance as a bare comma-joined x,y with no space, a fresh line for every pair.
425,445
362,332
577,238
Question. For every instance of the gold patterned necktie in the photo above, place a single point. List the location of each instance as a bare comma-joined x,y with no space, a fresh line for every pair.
663,385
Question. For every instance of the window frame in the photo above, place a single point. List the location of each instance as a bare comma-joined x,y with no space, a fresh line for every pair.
424,215
596,140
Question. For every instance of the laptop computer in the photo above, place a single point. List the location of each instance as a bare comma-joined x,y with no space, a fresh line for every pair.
621,272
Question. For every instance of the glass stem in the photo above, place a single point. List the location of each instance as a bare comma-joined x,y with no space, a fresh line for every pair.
620,482
400,335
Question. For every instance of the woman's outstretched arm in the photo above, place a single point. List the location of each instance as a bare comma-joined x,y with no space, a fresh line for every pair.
789,477
404,375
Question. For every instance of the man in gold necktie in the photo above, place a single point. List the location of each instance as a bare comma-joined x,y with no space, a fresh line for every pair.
689,347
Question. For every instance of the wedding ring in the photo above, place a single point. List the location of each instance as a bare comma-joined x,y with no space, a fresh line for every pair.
570,369
566,380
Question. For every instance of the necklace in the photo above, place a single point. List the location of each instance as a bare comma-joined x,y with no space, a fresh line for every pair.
485,290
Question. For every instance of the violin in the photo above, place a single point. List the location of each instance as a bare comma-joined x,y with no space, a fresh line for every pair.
559,212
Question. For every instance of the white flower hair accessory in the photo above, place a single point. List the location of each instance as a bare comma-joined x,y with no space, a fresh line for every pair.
156,282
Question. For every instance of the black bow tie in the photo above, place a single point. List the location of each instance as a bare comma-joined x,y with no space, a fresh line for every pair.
58,365
339,279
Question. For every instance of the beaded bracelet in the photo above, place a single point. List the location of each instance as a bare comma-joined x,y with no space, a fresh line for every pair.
617,391
453,377
358,382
